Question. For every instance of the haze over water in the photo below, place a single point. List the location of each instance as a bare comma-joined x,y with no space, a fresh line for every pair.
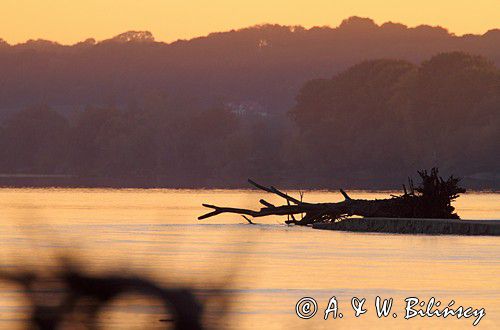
265,268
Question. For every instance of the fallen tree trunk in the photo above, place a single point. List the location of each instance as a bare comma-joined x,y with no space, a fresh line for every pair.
432,199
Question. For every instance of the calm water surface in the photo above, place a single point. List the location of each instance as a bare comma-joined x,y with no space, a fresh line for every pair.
263,269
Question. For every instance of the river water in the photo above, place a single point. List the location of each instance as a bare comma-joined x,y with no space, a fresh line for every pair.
257,273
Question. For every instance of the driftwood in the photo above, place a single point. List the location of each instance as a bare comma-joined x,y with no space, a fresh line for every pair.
432,199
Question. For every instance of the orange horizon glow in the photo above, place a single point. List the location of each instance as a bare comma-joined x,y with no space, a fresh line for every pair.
69,22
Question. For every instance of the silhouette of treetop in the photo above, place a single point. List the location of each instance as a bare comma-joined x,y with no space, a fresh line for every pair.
133,36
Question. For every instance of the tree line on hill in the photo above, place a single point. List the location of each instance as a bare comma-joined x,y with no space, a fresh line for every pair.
369,125
265,64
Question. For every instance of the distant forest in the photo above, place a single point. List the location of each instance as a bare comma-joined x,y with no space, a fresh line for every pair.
359,105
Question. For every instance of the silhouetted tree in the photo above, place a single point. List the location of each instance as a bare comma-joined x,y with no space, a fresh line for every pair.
391,116
353,117
452,100
35,141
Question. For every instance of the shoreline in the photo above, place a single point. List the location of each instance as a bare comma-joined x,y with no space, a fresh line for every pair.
415,226
202,182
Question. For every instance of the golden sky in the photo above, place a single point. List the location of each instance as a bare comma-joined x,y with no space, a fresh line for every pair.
70,21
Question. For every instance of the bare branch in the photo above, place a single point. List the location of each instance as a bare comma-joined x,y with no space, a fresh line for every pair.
248,219
275,191
265,203
345,194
